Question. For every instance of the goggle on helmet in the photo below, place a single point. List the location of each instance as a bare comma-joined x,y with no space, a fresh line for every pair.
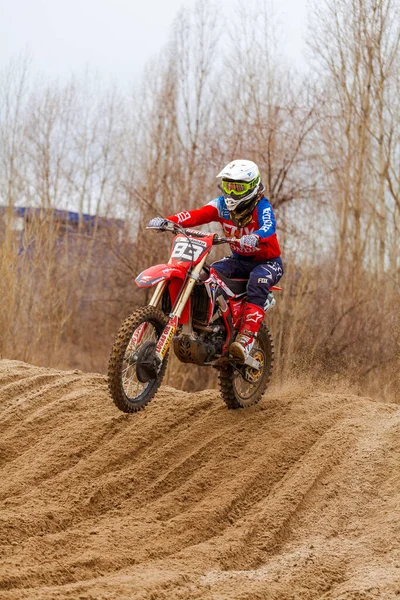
239,188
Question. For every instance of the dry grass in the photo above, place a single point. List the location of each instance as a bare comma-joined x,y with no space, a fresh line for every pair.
54,314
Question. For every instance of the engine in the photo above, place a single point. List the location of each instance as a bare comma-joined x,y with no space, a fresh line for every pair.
207,340
200,348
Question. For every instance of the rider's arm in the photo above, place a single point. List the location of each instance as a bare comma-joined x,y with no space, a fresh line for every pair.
192,218
266,221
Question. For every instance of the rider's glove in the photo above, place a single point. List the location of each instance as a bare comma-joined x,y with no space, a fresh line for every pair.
249,240
157,222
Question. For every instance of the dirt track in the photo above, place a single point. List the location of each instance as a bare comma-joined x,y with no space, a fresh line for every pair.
297,498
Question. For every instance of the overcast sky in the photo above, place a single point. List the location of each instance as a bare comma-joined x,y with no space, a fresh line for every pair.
113,37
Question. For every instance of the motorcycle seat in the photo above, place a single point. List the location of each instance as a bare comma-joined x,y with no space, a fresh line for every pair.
237,286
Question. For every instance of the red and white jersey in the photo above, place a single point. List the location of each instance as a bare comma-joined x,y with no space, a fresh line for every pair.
263,223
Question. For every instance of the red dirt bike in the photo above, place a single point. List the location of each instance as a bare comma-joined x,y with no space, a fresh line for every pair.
196,310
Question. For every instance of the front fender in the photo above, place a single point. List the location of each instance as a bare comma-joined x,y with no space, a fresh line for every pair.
153,275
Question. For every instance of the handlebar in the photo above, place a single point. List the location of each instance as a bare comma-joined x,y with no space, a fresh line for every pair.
175,228
222,239
218,239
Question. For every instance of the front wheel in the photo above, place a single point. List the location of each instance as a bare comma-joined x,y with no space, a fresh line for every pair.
132,378
242,386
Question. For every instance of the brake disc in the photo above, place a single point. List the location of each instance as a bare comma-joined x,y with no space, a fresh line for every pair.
253,375
147,364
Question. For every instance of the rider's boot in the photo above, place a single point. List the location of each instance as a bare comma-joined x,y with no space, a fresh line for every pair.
244,342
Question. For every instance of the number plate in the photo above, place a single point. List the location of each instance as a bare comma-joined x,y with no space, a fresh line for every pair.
188,250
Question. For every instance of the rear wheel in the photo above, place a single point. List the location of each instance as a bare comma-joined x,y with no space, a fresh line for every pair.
133,375
242,386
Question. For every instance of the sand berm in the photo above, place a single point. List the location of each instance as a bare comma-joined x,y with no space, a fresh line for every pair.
296,498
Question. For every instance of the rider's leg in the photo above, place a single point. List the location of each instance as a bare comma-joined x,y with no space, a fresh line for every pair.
233,267
262,277
251,321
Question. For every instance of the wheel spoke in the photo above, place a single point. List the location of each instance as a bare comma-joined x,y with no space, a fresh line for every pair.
125,370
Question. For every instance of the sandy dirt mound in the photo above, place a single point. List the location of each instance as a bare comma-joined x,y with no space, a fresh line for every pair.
296,498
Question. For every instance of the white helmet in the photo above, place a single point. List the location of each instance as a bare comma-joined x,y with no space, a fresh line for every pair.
242,187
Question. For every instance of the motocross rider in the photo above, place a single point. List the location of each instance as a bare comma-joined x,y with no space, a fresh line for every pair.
244,212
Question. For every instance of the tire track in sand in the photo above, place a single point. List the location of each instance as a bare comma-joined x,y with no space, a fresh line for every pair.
296,498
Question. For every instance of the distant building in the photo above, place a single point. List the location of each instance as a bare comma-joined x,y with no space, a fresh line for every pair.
64,221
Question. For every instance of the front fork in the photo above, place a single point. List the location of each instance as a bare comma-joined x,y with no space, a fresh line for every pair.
170,329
